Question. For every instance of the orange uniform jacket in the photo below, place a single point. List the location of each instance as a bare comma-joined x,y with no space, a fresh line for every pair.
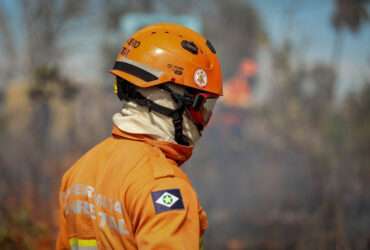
129,193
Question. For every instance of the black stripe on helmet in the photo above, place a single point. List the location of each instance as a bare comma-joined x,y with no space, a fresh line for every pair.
135,71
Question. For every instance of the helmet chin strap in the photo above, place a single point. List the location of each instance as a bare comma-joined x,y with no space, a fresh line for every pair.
128,92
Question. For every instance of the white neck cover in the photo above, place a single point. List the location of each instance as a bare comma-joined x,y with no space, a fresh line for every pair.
137,119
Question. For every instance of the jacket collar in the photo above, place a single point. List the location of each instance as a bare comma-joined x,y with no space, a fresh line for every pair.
176,152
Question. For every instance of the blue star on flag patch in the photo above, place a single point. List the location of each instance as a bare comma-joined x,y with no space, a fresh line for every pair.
165,200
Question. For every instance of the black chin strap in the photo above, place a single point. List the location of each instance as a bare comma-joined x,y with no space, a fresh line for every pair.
126,91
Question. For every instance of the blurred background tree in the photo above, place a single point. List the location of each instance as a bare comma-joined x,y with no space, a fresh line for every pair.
351,15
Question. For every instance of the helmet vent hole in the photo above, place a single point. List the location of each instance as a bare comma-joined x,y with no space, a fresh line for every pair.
210,46
166,32
190,46
154,32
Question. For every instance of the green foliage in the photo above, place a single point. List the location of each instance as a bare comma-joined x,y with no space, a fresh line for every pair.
351,14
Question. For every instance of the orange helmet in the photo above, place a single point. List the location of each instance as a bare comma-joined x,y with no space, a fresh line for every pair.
163,53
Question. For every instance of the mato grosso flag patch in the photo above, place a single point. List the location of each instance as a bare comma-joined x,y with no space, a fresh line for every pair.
165,200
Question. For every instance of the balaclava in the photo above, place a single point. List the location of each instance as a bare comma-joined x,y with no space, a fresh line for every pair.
137,119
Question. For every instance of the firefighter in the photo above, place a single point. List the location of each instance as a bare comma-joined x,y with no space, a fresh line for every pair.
129,191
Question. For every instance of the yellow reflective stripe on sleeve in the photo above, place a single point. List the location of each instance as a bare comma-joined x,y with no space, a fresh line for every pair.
76,243
201,244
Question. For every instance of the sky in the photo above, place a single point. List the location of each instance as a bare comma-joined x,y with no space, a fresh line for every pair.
308,24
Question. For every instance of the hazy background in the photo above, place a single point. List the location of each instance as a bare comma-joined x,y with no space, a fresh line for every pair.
285,162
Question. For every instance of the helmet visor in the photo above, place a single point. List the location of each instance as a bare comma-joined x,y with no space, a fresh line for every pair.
201,110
